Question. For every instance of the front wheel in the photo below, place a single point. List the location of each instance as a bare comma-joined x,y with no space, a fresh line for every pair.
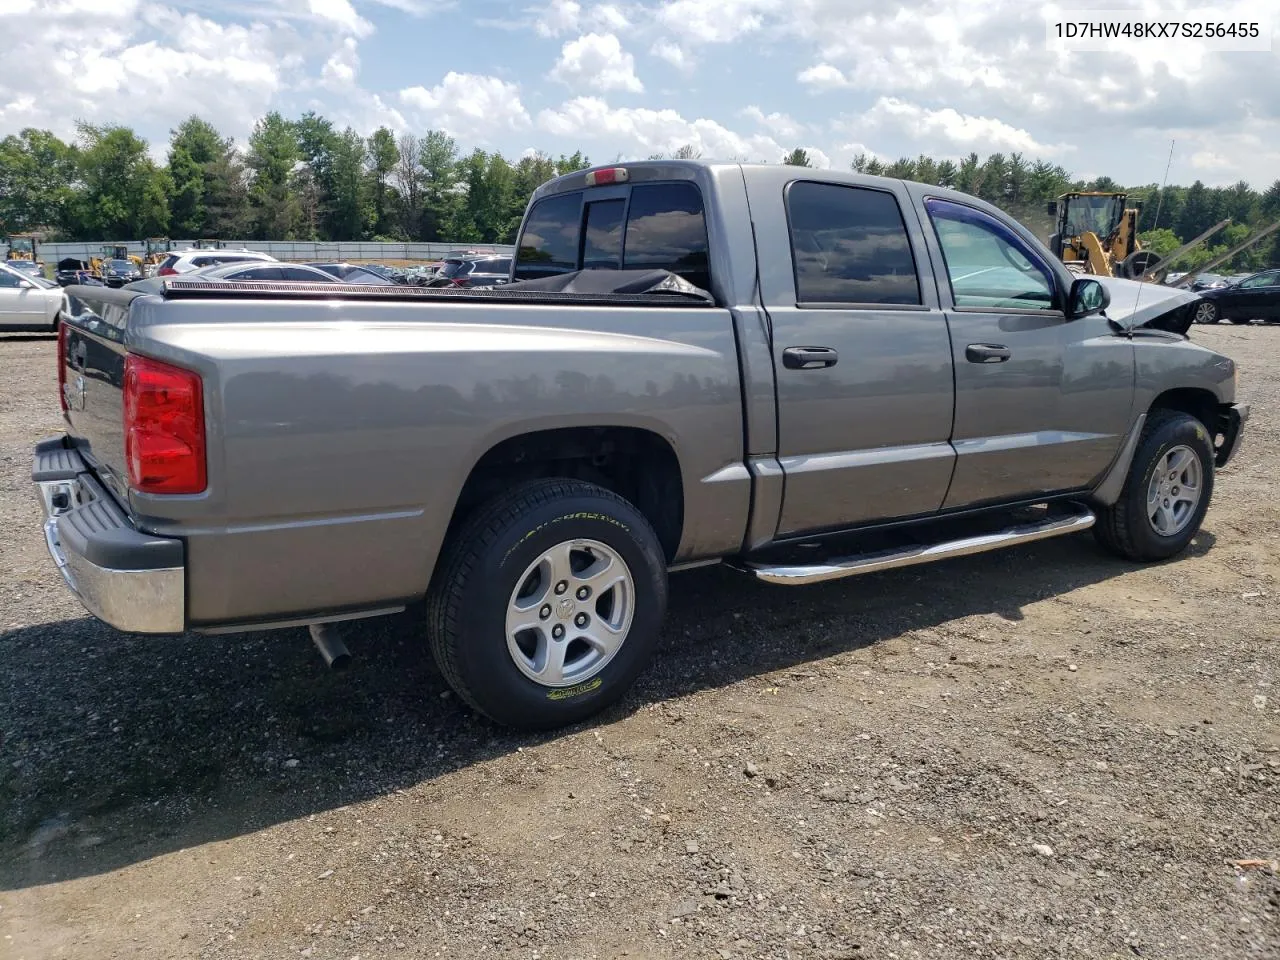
1206,312
548,603
1167,492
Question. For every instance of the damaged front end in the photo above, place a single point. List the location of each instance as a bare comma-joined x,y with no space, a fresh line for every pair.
1136,304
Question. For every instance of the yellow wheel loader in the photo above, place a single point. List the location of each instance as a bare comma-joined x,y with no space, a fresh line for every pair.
1097,233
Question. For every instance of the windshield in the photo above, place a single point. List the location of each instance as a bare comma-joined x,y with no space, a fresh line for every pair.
1098,215
121,265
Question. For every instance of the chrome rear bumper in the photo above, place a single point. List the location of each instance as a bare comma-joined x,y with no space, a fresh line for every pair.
129,579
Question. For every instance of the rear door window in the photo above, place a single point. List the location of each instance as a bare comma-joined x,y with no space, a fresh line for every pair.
849,245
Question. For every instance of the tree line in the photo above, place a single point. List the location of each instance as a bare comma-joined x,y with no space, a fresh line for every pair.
305,179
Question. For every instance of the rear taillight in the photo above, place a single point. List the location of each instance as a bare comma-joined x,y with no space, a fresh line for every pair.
166,272
163,427
62,366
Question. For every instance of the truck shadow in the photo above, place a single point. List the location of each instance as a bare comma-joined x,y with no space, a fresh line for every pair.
120,748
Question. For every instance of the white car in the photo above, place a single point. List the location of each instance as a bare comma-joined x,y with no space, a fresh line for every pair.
28,302
184,261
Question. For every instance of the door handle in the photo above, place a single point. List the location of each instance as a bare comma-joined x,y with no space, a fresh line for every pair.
809,358
987,353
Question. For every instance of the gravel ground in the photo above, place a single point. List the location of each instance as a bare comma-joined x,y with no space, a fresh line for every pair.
1044,752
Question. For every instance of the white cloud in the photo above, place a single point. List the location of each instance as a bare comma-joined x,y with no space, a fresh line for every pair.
823,76
557,17
947,131
143,66
715,21
597,62
341,14
609,17
673,54
341,67
468,106
778,124
644,131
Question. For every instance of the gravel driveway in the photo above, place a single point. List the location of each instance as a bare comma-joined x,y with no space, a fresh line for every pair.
1044,752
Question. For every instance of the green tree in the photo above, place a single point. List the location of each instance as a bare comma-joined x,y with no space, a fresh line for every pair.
194,147
348,207
38,173
124,193
438,160
1197,214
382,155
797,158
575,161
228,210
274,150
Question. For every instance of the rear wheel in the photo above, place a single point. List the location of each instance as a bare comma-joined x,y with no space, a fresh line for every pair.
548,603
1167,492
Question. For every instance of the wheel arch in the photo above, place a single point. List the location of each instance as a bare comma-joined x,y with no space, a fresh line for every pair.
637,463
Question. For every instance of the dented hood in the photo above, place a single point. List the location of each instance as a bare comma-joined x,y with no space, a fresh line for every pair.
1137,304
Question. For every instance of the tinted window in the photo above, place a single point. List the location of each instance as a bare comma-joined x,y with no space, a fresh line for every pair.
170,260
988,264
549,243
849,245
1261,280
455,268
499,266
231,259
602,238
203,261
362,276
666,230
8,279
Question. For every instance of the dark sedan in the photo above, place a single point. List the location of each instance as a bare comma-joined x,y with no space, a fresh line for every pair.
474,272
116,273
1253,298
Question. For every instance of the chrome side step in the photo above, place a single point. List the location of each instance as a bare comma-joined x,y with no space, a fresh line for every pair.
799,575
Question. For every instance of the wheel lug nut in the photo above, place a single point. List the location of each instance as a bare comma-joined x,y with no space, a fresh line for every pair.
581,620
562,586
545,611
557,631
584,592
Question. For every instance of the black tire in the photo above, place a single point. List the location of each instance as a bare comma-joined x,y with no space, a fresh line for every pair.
1206,311
479,571
1125,528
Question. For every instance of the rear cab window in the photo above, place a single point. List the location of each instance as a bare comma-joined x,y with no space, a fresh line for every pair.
652,226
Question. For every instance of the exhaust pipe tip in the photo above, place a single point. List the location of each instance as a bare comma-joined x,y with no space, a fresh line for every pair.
329,642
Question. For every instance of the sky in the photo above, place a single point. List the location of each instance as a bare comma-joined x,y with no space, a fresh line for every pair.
738,79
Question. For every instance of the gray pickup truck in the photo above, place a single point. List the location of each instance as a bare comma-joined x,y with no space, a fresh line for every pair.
833,374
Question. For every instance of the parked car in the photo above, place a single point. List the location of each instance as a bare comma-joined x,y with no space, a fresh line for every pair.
28,267
1253,298
367,273
71,270
483,271
29,302
116,273
184,261
806,374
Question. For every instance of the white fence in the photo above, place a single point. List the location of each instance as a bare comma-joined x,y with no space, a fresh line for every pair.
297,250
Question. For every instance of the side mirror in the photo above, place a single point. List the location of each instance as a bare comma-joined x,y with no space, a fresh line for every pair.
1051,208
1088,297
26,285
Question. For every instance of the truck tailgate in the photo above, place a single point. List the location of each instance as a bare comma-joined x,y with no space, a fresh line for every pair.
92,355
